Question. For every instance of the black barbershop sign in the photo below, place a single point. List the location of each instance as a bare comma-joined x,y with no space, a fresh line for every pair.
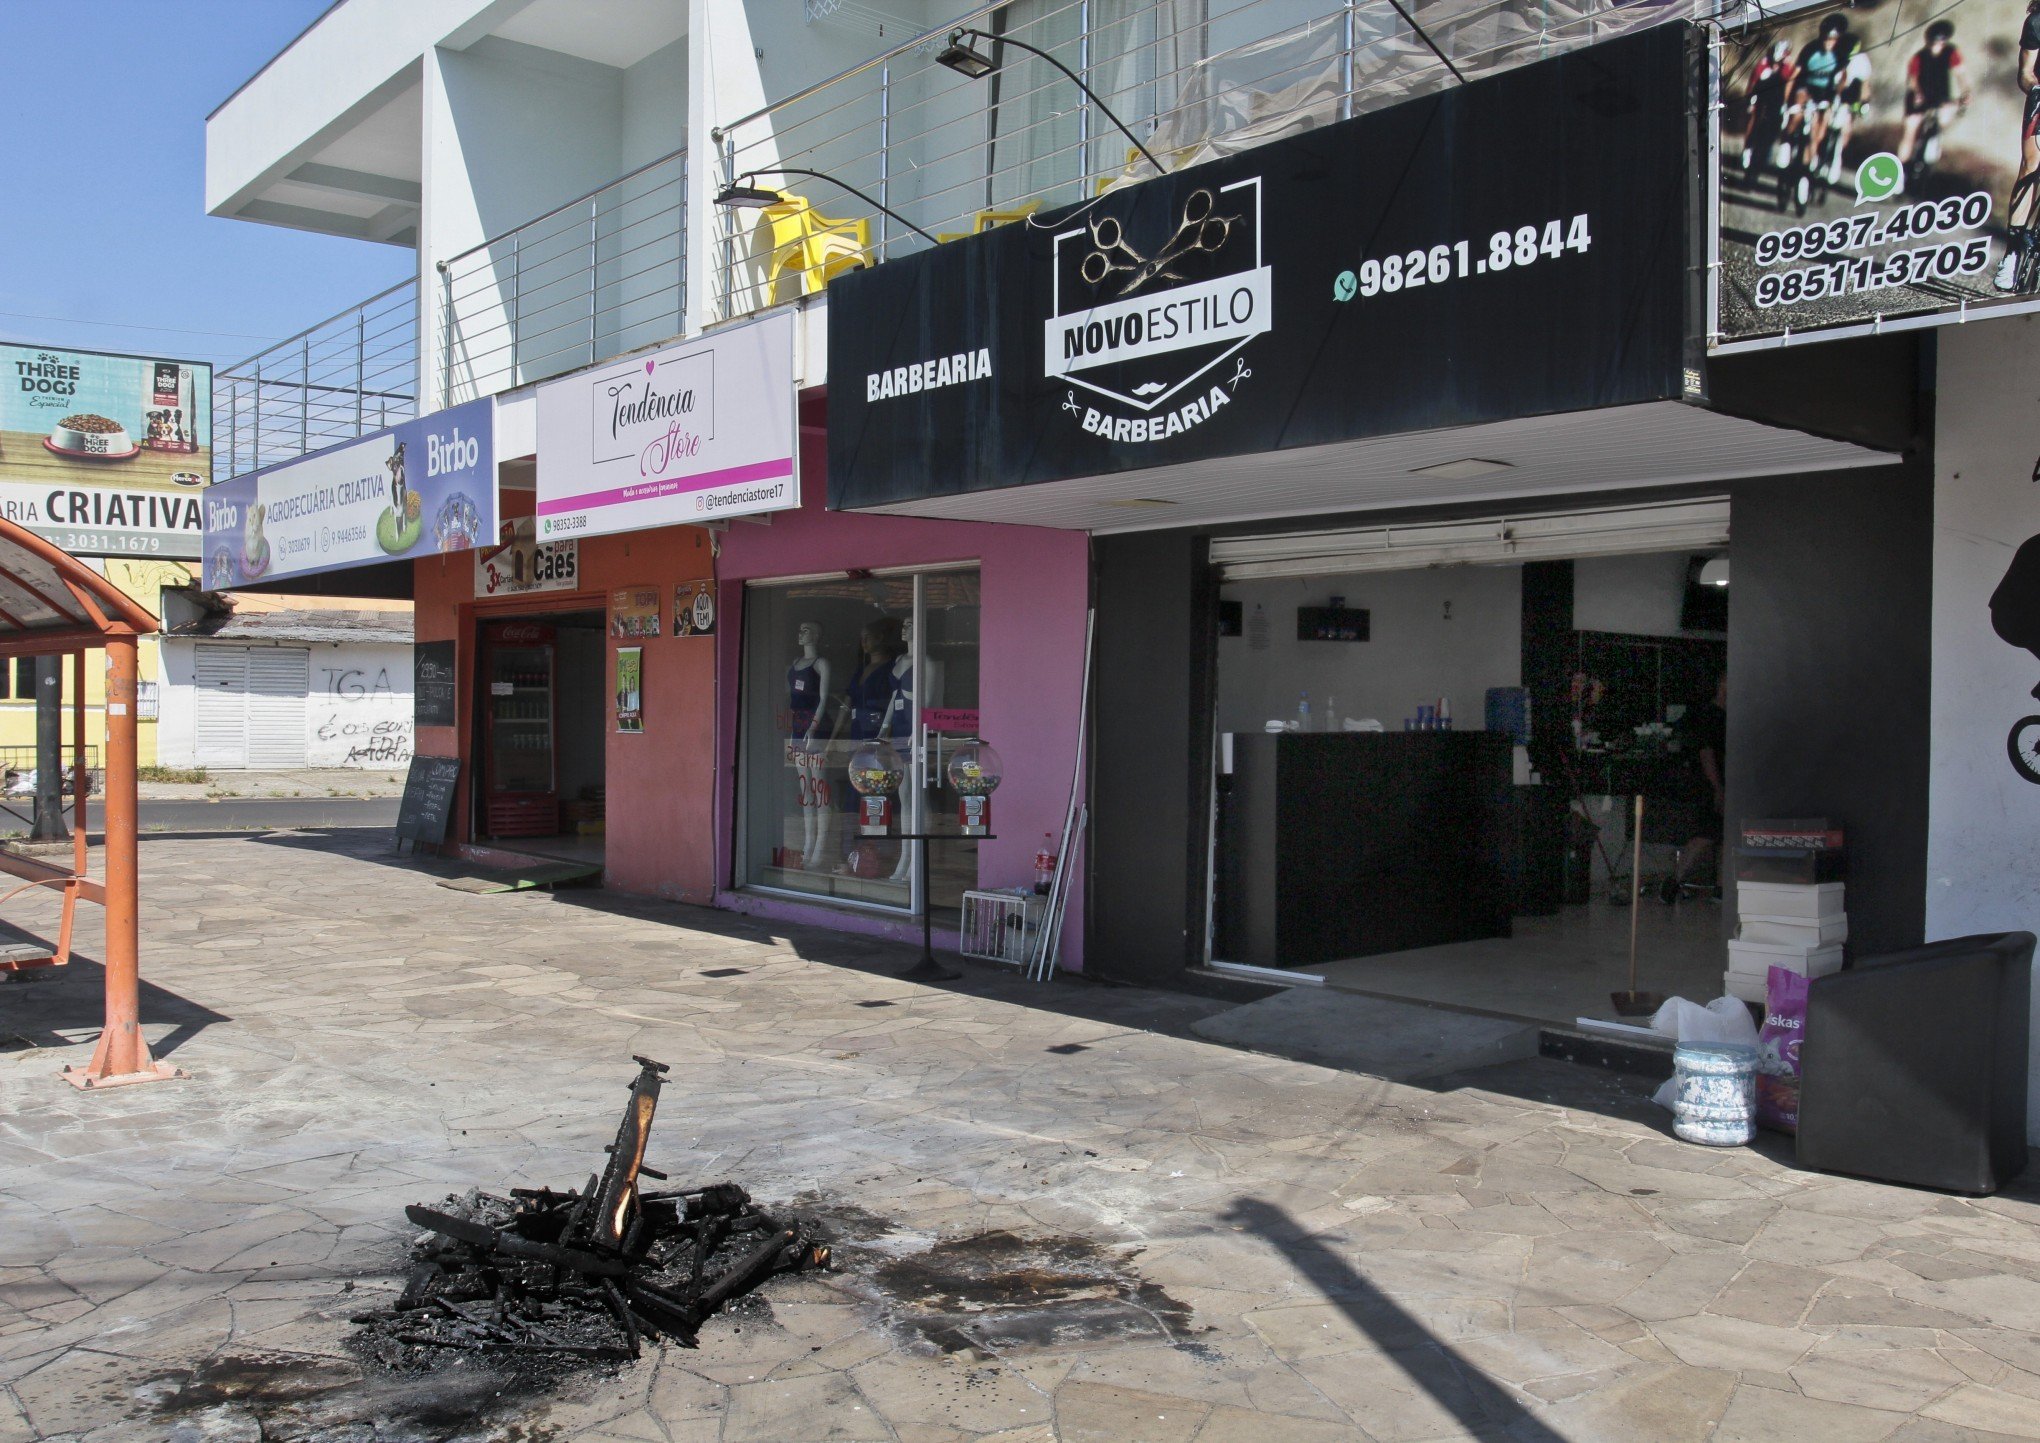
1512,247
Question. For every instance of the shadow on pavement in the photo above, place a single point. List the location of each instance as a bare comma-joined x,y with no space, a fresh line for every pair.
66,1006
1166,1013
1454,1385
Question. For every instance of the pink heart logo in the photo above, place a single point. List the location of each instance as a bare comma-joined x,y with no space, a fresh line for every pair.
648,368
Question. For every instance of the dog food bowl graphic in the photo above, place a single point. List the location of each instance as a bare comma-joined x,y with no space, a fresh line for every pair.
87,434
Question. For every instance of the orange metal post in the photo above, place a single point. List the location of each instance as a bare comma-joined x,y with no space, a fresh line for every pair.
122,1056
79,771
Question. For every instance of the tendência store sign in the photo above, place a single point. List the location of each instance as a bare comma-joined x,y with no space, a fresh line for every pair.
695,432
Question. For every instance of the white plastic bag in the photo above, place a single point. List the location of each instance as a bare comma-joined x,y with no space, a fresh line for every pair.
1725,1019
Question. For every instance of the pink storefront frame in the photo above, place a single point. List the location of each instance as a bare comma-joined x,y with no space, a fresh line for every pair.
1034,594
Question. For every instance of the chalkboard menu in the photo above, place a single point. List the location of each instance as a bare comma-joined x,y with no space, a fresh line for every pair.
428,800
433,680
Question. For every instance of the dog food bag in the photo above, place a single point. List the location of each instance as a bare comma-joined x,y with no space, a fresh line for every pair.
1778,1050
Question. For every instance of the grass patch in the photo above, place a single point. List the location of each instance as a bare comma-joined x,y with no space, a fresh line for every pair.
172,774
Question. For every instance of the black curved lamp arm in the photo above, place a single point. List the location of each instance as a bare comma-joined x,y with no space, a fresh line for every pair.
845,185
1160,169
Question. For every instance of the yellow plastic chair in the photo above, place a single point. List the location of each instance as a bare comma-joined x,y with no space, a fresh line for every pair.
991,220
811,247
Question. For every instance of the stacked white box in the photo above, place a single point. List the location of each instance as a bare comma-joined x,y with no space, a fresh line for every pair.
1799,926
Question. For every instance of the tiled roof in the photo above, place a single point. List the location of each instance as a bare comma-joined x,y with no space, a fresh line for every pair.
392,627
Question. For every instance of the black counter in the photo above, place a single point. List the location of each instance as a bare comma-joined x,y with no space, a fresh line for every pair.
1345,844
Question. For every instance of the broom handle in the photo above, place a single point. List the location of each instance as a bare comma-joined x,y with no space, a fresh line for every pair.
1635,882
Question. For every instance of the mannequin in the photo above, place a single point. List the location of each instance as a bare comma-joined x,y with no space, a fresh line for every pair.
866,697
807,690
903,717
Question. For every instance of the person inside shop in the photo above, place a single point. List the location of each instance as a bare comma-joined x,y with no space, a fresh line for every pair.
1706,746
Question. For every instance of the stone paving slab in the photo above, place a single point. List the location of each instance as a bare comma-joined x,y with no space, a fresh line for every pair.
1064,1216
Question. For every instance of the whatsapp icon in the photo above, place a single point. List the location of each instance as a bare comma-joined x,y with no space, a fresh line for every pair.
1879,177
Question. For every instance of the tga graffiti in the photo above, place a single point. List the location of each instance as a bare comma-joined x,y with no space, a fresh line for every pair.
355,684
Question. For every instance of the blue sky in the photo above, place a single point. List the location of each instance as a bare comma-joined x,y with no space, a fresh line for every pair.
104,232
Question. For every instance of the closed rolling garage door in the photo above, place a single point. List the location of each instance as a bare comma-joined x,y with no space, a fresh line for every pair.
251,705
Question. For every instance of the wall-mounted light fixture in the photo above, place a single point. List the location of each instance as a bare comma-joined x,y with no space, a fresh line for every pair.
973,64
739,196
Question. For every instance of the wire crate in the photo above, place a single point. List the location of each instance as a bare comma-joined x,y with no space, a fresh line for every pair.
1001,926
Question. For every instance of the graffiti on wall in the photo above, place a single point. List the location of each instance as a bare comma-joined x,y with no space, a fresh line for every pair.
366,721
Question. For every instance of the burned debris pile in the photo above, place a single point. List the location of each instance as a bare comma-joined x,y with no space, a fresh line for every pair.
587,1275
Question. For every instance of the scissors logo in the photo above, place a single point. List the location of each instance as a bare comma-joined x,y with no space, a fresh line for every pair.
1199,232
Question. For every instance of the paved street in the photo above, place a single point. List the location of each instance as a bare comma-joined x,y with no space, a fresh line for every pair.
1061,1216
238,814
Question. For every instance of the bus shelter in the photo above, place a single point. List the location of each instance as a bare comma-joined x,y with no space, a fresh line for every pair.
51,604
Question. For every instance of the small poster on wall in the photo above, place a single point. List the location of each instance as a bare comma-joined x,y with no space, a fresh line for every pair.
694,608
634,611
630,688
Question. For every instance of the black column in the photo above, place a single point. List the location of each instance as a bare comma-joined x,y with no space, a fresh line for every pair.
1829,638
49,751
1548,656
1150,768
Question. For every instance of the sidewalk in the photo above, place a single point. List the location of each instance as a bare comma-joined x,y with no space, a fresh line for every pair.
304,782
1062,1216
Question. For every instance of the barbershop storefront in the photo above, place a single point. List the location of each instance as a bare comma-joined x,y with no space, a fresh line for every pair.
1379,424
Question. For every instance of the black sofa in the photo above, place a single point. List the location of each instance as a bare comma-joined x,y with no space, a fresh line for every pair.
1913,1065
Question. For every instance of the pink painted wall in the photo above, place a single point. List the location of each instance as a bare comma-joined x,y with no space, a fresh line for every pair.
1035,589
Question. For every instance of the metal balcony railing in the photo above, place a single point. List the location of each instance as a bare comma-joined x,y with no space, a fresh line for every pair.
954,155
596,277
342,378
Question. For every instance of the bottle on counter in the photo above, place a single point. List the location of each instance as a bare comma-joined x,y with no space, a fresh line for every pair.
1444,713
1303,711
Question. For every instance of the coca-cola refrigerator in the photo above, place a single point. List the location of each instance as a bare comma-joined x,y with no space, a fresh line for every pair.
521,771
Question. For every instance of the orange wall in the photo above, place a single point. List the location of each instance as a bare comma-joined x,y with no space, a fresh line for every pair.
660,834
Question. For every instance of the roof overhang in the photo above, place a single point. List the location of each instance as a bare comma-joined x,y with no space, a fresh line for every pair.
1652,445
51,603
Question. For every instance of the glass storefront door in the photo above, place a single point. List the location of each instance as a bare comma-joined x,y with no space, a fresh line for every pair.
832,665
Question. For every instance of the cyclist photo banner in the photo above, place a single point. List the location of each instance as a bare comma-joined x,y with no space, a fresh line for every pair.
1873,164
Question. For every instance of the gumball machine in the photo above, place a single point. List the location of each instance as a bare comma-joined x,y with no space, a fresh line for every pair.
876,773
975,772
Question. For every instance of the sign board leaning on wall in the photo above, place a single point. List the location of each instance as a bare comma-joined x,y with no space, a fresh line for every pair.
694,432
425,486
105,455
1867,169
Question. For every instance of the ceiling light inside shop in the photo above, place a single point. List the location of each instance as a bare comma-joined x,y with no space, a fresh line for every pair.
1714,572
1460,470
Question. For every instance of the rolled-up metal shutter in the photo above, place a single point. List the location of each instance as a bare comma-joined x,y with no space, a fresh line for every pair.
221,675
251,705
278,680
1697,525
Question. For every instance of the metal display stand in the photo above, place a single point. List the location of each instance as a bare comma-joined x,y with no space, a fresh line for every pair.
928,969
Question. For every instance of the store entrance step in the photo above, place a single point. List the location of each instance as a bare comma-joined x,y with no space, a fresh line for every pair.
1401,1041
524,879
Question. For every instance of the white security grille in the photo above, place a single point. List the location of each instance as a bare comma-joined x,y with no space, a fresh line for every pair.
251,706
